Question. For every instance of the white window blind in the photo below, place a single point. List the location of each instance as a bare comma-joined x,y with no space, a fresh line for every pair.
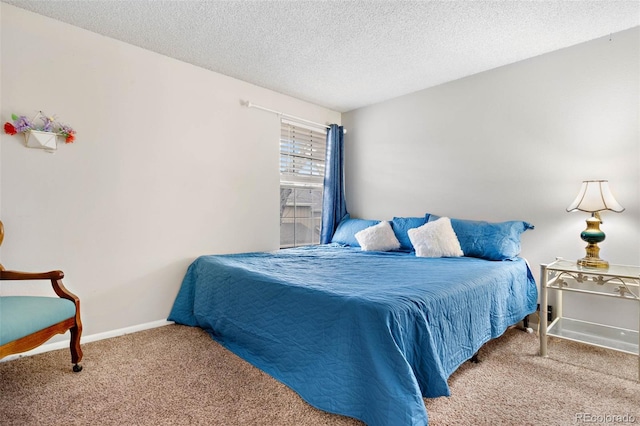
302,158
302,155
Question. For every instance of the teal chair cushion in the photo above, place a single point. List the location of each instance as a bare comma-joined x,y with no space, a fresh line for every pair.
24,315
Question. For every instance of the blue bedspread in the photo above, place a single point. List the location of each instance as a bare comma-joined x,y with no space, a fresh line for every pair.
364,334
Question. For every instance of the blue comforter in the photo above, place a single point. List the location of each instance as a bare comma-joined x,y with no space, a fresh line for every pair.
364,334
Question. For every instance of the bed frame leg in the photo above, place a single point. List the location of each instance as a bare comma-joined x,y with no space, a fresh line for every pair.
525,324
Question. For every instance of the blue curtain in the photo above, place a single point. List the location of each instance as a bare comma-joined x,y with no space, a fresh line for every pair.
334,206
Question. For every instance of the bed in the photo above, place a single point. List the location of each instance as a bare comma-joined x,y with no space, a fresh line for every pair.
366,334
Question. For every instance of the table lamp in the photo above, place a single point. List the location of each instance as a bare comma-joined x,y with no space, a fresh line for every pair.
594,197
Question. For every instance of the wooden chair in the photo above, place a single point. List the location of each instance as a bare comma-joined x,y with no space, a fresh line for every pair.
26,322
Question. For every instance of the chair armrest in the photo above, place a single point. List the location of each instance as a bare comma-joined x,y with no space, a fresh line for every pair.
18,275
54,276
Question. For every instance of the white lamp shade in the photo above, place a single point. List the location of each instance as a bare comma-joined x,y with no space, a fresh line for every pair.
595,196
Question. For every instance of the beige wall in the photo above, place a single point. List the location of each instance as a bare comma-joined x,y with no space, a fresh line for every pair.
150,183
154,179
513,143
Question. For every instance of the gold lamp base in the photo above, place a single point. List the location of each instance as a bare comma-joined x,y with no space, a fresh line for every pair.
593,262
592,236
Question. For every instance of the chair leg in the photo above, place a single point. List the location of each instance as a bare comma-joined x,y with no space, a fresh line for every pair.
76,350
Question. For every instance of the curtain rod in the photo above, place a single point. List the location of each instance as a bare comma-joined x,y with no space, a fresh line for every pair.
248,104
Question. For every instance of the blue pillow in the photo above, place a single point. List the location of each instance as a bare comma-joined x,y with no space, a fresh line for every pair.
347,229
488,240
431,217
400,227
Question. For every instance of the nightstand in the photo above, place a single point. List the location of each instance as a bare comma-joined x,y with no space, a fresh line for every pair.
619,281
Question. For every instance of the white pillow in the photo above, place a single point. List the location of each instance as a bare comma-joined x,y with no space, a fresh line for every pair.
378,237
435,239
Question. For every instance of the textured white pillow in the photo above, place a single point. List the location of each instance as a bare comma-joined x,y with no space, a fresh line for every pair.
378,237
435,239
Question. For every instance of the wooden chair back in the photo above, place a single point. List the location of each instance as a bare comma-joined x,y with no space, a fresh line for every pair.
1,239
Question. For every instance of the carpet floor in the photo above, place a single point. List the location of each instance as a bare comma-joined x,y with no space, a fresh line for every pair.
177,375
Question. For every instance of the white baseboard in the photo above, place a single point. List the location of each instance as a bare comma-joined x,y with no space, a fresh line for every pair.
91,338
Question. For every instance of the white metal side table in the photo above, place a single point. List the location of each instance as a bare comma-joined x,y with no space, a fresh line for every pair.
619,281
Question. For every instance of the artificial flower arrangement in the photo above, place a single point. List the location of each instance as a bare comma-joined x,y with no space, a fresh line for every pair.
22,124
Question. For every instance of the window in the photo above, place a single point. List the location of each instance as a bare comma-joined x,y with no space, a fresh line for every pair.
302,157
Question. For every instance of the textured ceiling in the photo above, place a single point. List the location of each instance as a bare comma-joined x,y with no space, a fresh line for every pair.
346,54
